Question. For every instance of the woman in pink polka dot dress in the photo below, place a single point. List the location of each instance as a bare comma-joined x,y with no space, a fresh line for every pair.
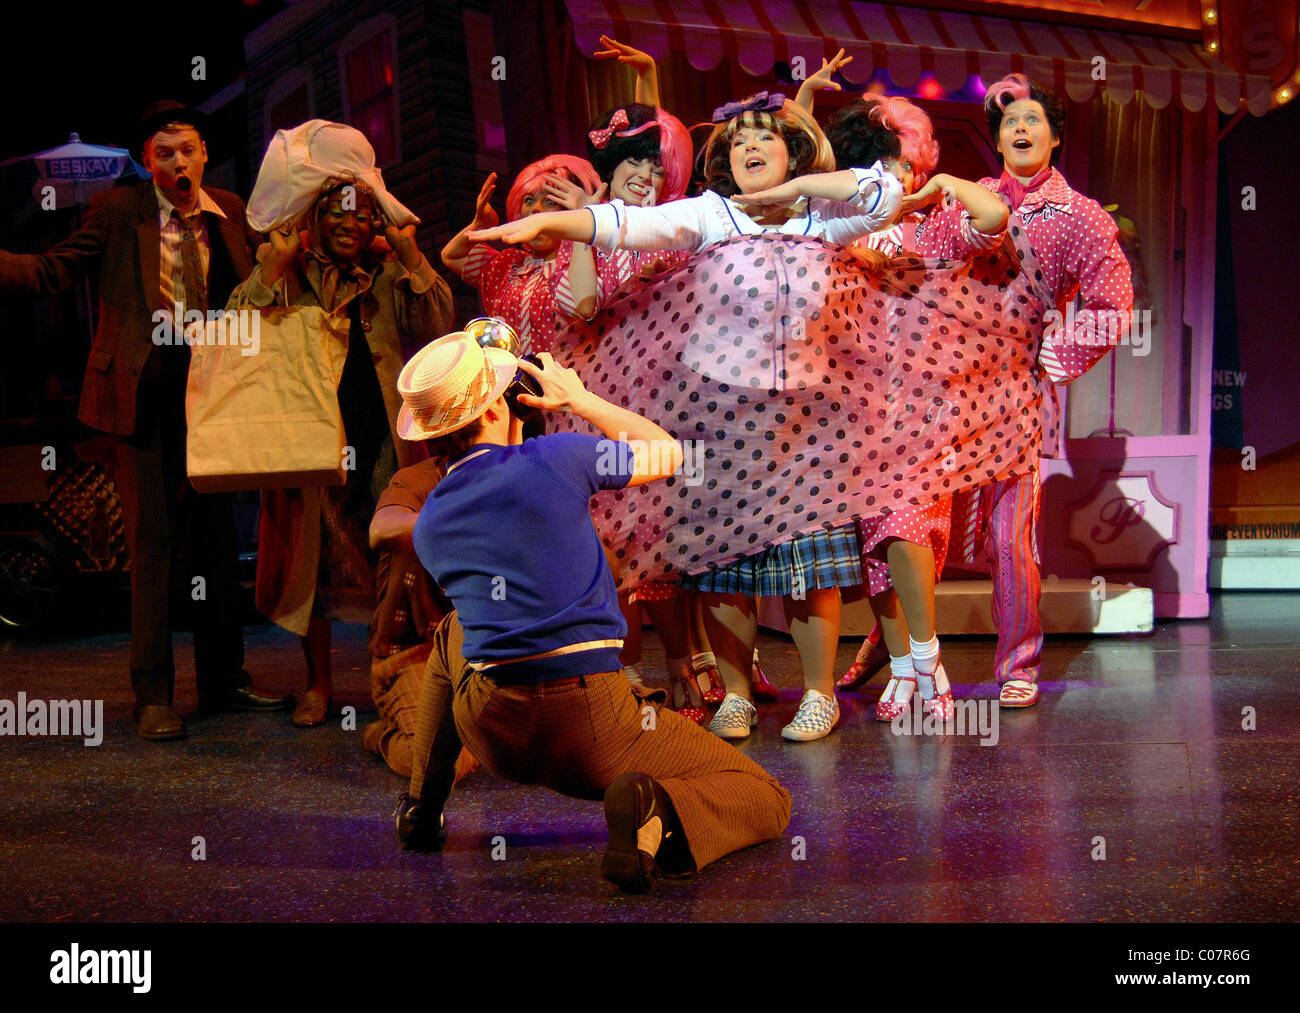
904,550
519,284
899,134
768,165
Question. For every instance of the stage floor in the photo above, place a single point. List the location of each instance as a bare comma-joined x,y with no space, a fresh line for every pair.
1138,741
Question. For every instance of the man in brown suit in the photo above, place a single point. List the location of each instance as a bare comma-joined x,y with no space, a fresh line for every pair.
155,246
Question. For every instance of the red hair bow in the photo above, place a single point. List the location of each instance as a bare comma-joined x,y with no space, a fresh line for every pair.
617,122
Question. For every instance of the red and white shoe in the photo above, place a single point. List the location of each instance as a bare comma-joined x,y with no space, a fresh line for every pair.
685,699
896,698
716,690
862,671
941,705
1018,693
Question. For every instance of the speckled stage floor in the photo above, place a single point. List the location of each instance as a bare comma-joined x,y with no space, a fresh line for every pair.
1137,750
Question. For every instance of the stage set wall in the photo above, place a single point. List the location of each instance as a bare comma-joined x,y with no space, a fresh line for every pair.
493,85
1129,501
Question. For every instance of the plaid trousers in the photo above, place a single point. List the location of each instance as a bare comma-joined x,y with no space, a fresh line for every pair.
578,737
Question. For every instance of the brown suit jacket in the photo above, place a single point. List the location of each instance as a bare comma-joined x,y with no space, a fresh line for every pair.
121,239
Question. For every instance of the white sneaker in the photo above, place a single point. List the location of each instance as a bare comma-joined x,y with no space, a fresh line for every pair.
735,717
816,716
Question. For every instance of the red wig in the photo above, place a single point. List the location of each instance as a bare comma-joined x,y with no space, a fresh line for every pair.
530,179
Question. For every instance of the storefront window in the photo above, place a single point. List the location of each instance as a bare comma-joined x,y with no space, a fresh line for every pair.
368,69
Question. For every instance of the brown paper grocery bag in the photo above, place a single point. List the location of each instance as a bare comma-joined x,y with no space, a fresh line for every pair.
262,404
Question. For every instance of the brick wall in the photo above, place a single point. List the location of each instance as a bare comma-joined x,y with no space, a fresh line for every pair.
436,175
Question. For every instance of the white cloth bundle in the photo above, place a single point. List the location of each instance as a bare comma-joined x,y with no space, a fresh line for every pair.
300,162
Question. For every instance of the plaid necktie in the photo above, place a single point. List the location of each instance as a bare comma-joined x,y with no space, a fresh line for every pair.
196,289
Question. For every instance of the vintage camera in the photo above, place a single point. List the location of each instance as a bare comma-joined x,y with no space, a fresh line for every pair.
492,332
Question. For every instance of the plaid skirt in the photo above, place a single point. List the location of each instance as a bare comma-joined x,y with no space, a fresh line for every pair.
828,558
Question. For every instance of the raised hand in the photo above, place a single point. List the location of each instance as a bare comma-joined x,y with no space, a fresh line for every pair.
403,243
485,216
568,194
615,50
284,242
562,388
647,74
822,79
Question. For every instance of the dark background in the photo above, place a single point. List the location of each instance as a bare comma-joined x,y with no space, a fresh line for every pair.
93,68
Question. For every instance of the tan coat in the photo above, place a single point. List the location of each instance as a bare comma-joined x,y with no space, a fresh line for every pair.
396,305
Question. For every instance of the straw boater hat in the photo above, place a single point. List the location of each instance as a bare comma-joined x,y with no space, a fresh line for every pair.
449,383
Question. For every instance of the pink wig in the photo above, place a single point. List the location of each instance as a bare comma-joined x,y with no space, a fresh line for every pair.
910,124
648,132
1012,88
676,153
530,179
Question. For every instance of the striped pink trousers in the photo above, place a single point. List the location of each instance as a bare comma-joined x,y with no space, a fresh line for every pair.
1010,509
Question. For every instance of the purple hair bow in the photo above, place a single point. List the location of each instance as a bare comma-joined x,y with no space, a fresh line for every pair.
763,102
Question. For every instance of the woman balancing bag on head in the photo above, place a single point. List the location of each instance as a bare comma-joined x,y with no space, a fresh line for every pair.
815,392
324,204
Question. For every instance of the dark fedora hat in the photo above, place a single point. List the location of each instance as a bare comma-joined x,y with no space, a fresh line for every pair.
167,111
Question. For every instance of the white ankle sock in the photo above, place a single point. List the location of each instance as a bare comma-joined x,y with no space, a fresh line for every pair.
901,668
925,656
705,659
926,659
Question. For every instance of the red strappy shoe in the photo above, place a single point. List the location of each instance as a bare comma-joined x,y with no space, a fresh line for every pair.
764,691
686,699
941,706
890,706
717,689
862,672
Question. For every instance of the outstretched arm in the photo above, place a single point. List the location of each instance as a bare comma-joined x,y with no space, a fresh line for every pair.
857,202
987,212
62,266
837,186
575,225
679,225
656,454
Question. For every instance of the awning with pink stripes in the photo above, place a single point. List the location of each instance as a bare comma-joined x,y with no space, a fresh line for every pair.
907,41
